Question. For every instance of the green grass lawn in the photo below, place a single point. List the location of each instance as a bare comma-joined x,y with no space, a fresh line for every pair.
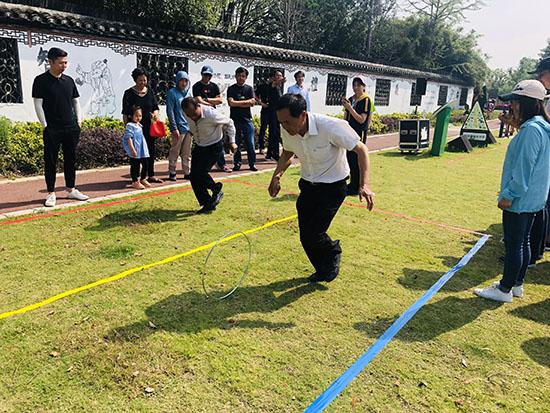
152,342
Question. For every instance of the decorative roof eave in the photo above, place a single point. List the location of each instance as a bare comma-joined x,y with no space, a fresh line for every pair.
63,23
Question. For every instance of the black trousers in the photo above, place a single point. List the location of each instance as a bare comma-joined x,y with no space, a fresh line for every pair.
274,135
264,121
353,162
203,159
317,205
135,163
152,153
54,139
538,235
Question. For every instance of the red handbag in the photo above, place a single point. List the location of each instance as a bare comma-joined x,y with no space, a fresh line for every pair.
157,129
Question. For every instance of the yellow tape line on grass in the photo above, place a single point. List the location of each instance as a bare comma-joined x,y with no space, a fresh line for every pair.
137,269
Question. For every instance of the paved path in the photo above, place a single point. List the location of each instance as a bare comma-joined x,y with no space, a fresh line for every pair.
24,194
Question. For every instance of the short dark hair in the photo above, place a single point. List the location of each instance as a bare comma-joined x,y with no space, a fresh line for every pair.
137,72
296,104
241,70
299,73
273,72
189,102
134,109
56,52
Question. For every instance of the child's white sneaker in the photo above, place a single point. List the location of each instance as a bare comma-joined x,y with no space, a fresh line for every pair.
79,196
493,292
50,200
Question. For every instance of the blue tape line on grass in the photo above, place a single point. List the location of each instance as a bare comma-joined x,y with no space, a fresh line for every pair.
347,377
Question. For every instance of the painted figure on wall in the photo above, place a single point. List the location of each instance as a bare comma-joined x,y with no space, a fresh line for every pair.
103,96
42,58
314,84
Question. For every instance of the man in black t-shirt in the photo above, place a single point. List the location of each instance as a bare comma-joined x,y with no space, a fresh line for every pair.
269,98
208,94
240,98
56,101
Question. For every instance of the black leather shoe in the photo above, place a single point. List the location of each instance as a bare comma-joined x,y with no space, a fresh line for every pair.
334,272
188,177
237,167
216,199
253,168
206,209
316,278
217,188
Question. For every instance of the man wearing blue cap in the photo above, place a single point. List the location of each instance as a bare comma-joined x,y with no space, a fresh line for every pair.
208,94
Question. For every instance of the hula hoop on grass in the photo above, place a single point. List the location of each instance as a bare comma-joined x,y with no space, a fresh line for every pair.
245,269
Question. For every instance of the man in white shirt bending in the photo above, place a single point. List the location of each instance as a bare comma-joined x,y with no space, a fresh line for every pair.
320,142
207,127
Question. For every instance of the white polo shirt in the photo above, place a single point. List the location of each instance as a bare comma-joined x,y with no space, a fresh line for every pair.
322,150
209,128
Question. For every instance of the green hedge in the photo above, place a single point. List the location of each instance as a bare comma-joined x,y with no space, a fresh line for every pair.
21,147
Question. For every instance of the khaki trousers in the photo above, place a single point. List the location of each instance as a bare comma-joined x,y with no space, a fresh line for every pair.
180,147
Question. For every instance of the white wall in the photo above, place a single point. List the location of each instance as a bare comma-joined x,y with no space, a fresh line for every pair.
102,76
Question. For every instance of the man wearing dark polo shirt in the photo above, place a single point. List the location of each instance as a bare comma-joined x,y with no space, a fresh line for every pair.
240,98
58,109
208,94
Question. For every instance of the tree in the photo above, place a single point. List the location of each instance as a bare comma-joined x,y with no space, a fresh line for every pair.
441,12
288,15
545,52
375,12
243,16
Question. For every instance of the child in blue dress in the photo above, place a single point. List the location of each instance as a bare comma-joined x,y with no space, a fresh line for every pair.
136,148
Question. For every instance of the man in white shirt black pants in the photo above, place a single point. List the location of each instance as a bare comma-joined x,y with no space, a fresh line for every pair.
207,127
320,142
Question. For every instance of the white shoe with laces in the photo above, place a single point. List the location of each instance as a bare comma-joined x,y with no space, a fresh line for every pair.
517,291
79,196
493,292
50,200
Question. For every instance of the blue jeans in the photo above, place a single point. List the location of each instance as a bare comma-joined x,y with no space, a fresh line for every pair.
244,132
517,228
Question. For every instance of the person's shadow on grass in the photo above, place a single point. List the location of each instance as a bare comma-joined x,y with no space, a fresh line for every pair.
537,350
432,320
136,216
484,266
192,312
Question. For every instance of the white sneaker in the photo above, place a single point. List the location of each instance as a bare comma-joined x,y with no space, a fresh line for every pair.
79,196
494,293
50,200
517,291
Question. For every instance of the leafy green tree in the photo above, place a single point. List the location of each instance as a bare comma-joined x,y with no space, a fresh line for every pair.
545,52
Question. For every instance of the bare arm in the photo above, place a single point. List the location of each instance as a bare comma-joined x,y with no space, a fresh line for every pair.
216,101
202,101
364,166
282,165
359,117
241,103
